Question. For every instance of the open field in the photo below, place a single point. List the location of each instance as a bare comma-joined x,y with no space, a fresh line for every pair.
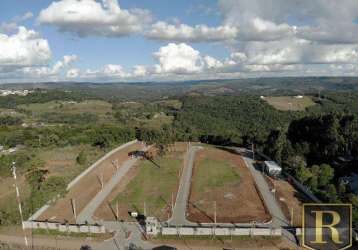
62,161
97,108
290,200
222,177
286,103
86,188
89,106
152,183
158,120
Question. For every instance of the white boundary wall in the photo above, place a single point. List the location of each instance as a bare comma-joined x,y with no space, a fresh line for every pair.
95,229
201,231
94,165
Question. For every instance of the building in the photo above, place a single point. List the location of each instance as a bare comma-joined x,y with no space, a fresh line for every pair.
350,181
272,168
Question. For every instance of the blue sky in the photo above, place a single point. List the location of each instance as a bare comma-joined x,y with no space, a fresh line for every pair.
128,40
126,50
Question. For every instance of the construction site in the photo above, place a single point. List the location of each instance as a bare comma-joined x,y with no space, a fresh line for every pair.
189,190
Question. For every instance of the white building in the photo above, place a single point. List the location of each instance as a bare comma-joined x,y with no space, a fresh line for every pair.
272,168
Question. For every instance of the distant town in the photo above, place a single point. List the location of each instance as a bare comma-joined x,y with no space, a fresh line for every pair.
6,92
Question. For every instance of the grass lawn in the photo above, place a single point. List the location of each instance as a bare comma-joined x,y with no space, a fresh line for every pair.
212,173
153,185
286,103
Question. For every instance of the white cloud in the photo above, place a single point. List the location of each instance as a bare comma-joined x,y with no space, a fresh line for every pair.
89,17
73,73
140,71
25,48
298,51
198,33
178,58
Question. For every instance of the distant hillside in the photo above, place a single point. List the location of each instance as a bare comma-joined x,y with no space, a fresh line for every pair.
252,86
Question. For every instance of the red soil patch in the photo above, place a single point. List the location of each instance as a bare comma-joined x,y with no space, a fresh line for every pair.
235,203
84,191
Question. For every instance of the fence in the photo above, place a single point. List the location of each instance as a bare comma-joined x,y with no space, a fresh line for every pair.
207,231
68,228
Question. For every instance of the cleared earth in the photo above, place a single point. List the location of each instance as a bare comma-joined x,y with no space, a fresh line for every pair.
286,103
222,177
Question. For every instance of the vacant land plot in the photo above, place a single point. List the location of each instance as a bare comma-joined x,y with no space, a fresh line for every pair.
287,103
87,187
96,108
89,106
62,161
152,185
222,177
290,200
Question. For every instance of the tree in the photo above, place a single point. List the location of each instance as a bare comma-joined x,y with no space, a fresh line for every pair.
331,193
81,158
326,175
303,173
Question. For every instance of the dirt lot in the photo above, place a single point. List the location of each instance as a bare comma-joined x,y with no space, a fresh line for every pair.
146,183
86,188
289,199
230,184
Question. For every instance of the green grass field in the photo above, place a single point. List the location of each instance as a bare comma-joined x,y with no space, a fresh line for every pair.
286,103
152,185
214,174
90,106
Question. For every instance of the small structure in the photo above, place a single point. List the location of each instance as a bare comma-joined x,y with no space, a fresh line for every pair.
272,168
350,181
152,226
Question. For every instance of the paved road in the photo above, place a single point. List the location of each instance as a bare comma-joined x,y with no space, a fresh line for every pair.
43,242
278,218
179,212
126,234
91,207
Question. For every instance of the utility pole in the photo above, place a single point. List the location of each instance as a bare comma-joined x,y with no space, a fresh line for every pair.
117,211
253,150
73,201
215,213
173,203
19,201
145,209
292,216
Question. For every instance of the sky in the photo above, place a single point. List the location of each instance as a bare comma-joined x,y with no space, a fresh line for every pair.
141,40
